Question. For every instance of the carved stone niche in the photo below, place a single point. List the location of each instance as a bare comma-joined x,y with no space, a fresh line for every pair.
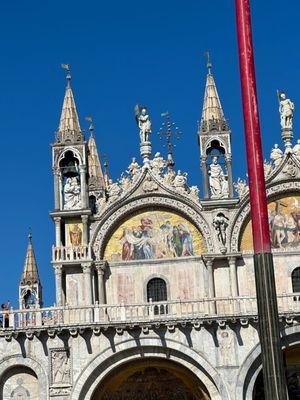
60,372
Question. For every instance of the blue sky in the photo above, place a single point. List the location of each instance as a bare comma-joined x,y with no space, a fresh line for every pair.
122,53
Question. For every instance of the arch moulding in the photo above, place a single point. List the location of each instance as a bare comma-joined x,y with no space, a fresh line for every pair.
127,351
18,361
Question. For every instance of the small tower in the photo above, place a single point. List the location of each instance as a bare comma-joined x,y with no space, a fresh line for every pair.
30,288
78,180
214,143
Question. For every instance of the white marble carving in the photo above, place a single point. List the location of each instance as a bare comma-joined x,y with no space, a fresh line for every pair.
296,149
180,182
72,195
158,164
60,367
220,223
268,168
217,180
114,191
133,169
276,155
144,123
149,185
286,111
241,187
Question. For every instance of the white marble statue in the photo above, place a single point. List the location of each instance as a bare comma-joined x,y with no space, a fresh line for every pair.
241,187
220,222
286,111
158,164
217,180
180,182
72,195
276,155
133,169
113,190
125,182
194,192
144,123
296,149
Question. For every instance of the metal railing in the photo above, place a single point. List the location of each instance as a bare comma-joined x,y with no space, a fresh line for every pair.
168,311
75,253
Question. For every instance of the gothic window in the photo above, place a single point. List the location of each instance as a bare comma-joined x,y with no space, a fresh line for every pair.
157,291
296,280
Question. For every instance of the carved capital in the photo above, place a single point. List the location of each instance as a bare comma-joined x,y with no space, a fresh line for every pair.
57,269
82,169
84,219
232,260
57,220
101,266
228,158
86,268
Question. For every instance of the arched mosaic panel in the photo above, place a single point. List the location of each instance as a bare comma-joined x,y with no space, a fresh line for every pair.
284,225
154,234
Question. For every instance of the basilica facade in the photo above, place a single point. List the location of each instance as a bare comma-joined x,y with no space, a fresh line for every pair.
155,287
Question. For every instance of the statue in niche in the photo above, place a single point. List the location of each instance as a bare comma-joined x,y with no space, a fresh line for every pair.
180,182
61,372
158,164
72,195
296,149
113,190
144,123
276,155
20,393
217,180
241,187
133,169
75,234
286,111
220,223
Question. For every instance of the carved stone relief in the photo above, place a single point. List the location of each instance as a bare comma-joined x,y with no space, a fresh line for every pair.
60,371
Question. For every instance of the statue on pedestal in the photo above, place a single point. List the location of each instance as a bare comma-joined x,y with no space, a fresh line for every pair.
286,111
144,123
180,182
133,169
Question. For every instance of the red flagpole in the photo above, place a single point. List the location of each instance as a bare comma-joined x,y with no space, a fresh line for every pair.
272,360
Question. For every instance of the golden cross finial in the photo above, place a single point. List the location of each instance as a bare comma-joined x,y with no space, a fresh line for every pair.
67,68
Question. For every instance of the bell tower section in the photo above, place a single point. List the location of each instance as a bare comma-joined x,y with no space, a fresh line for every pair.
75,276
215,145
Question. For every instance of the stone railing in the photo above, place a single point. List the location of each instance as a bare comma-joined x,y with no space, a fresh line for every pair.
71,254
122,314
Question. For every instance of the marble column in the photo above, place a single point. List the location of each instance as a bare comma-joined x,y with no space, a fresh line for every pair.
57,221
233,277
83,186
85,238
87,272
58,285
56,176
229,174
204,177
100,267
211,285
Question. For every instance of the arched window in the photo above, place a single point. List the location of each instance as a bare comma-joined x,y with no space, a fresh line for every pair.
296,280
157,291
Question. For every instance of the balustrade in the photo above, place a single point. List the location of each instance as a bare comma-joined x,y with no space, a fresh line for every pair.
71,254
207,308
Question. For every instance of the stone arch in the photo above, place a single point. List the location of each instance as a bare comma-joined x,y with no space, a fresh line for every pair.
75,151
126,351
118,213
242,217
251,366
28,363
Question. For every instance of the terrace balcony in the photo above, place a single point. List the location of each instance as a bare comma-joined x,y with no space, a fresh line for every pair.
75,254
120,316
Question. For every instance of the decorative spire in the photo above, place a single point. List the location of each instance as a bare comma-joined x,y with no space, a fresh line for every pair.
212,112
69,128
95,170
106,173
30,273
